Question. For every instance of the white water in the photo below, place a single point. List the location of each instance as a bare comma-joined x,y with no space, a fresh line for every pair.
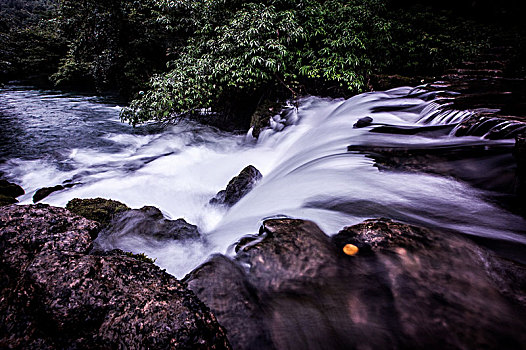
307,172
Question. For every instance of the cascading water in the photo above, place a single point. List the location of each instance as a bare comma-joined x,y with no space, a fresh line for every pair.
308,172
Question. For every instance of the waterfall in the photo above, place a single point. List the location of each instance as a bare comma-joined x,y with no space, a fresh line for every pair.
307,169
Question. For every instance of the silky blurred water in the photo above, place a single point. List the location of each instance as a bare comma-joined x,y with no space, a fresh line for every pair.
49,138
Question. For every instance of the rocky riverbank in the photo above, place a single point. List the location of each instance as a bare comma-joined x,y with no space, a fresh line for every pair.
378,284
56,294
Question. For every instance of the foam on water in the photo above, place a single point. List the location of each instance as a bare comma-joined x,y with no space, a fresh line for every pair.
307,171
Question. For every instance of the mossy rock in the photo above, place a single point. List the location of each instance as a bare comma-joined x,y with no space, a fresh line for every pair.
97,209
140,257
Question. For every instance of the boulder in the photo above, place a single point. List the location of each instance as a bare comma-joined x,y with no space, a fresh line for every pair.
5,200
406,287
97,209
8,192
223,283
10,189
238,187
46,191
55,294
363,122
147,222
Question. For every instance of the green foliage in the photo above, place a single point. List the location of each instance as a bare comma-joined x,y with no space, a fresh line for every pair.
29,43
241,52
222,58
247,51
112,45
342,41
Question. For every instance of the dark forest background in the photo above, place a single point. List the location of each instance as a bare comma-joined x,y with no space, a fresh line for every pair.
176,58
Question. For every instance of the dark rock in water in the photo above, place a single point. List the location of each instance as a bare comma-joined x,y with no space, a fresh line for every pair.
290,255
98,209
55,295
148,222
383,233
363,122
483,165
5,200
10,189
238,187
407,287
46,191
413,130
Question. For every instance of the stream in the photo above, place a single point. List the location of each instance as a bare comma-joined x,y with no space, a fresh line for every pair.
315,166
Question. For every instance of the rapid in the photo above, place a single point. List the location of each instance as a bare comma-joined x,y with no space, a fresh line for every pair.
312,159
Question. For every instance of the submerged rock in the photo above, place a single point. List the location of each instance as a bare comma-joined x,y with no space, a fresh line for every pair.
97,209
406,287
147,222
55,295
238,187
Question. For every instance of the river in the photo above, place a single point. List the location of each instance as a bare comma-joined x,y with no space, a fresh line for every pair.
49,138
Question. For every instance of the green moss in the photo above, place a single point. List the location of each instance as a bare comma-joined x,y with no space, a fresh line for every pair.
141,257
96,209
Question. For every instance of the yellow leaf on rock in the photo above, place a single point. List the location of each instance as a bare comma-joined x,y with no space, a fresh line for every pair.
350,249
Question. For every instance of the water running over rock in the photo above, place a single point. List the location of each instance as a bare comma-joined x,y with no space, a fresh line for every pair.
308,170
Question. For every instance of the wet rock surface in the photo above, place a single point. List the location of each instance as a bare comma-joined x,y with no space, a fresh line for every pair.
46,191
486,166
97,209
9,191
148,223
363,122
55,295
407,287
238,187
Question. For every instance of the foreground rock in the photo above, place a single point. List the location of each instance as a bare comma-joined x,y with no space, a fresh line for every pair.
238,187
56,295
9,191
294,287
